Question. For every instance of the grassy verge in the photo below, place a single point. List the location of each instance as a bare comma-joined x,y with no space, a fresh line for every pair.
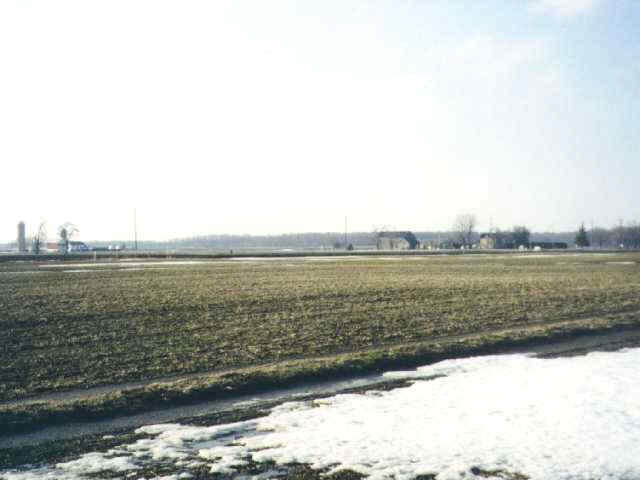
24,417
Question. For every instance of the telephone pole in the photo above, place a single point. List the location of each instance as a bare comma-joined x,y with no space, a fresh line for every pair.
345,232
135,230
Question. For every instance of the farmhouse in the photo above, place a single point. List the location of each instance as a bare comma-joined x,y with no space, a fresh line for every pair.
495,240
50,247
59,247
75,246
396,241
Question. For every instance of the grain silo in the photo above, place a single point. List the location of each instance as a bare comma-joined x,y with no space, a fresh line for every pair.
22,239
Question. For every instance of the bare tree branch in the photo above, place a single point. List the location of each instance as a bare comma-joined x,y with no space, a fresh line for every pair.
464,227
39,238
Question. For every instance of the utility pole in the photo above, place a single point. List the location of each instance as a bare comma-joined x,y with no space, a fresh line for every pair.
345,232
135,230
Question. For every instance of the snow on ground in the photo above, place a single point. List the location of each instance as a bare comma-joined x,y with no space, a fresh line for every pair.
123,263
91,270
563,418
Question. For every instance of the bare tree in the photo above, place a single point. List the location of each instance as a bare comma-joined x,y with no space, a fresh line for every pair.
376,230
520,236
619,235
634,235
39,238
464,227
66,231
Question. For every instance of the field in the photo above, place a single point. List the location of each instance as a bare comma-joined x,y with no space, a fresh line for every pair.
83,326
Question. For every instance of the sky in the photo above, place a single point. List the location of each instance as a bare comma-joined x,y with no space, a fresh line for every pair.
288,116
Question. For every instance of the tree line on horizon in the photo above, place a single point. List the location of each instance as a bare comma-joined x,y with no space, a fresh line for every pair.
326,240
620,236
463,232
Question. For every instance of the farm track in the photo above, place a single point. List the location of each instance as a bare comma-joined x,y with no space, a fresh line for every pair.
80,394
57,442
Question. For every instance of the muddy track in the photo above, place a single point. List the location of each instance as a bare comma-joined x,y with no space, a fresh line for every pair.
80,393
258,403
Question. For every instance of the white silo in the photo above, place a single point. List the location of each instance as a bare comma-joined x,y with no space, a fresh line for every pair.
22,239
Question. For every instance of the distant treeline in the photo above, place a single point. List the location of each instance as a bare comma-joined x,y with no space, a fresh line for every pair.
617,237
621,236
302,241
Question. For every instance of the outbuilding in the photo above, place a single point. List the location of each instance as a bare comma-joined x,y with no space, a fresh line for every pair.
396,241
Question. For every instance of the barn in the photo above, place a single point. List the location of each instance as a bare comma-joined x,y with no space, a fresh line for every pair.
396,241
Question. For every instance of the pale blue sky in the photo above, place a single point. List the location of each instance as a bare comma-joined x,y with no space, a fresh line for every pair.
267,117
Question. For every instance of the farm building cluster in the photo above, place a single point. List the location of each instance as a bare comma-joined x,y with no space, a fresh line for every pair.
507,241
64,245
406,240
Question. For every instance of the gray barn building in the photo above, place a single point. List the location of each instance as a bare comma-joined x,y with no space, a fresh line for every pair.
396,241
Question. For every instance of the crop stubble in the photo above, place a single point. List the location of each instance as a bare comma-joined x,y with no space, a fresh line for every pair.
62,330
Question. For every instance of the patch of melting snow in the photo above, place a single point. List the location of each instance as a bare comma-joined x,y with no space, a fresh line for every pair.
124,263
551,419
535,254
10,272
121,269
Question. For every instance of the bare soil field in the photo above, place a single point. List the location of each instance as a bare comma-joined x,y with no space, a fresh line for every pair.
71,327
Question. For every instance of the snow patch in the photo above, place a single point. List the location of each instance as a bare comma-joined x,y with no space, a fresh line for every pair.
122,264
548,419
